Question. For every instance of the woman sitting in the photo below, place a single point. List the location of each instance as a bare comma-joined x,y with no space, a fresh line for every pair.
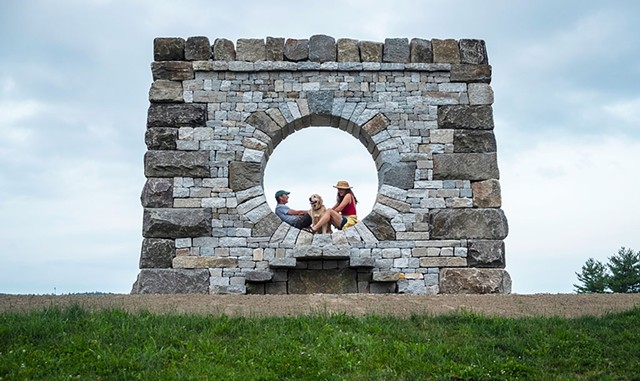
343,213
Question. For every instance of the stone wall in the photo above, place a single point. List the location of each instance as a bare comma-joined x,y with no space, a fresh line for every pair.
422,108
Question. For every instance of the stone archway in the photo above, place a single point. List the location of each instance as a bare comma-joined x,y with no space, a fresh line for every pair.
424,116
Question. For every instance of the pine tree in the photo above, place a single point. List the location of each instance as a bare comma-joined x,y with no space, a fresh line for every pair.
625,271
594,278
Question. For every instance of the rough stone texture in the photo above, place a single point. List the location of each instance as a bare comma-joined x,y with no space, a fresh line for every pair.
380,227
385,276
172,281
244,175
321,102
469,141
466,117
470,166
420,51
486,254
471,73
377,124
251,50
348,50
223,50
172,70
283,263
415,287
168,49
166,91
473,52
296,50
400,206
176,223
331,281
157,253
267,226
480,94
336,252
445,51
176,115
371,51
157,193
197,48
275,49
362,263
322,48
469,224
474,281
259,276
443,262
193,262
399,175
176,163
159,138
487,194
264,123
396,50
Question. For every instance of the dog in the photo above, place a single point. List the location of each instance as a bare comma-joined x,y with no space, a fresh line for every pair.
316,211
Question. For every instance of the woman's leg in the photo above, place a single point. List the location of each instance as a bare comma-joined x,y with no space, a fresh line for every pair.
329,216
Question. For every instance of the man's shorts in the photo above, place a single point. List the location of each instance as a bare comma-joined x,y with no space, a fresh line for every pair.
303,221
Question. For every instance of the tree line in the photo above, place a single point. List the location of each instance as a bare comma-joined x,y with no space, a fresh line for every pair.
620,274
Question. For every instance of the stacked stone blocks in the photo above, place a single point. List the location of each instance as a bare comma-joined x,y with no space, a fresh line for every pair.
422,108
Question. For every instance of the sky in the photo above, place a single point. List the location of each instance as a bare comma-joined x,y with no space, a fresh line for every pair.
74,82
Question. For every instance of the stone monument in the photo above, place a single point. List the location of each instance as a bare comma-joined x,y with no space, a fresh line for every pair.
422,108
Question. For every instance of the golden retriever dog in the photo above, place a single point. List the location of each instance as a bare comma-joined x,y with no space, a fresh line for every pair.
316,211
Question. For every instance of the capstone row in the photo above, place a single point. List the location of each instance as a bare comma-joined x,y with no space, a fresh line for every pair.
322,48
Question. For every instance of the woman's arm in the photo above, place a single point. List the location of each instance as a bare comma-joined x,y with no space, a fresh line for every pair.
345,201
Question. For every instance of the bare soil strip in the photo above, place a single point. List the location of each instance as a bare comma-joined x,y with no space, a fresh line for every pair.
562,305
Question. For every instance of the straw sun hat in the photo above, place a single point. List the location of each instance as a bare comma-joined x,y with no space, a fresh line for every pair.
342,185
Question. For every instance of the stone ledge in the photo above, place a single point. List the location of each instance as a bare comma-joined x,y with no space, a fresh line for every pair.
362,263
317,251
193,262
243,66
258,276
385,276
283,263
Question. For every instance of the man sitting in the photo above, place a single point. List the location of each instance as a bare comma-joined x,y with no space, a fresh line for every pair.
296,218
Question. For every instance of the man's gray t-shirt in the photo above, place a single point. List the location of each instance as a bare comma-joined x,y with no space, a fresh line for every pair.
282,210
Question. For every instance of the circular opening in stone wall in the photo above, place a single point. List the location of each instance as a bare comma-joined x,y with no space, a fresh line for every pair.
312,160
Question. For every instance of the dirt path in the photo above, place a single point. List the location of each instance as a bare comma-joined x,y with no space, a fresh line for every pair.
564,305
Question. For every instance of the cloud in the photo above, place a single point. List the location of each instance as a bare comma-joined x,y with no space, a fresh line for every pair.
625,111
566,200
18,137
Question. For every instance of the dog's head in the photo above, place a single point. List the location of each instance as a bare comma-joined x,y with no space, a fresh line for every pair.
316,201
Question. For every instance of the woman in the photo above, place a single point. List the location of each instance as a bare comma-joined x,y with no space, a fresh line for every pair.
343,213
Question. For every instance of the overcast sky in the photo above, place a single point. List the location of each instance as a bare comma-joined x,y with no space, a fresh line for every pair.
74,82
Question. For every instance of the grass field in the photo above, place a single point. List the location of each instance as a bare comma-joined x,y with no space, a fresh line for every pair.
72,343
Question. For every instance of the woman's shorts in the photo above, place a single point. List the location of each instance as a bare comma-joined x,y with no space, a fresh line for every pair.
348,221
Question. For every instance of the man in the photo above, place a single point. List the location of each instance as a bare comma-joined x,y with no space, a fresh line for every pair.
296,218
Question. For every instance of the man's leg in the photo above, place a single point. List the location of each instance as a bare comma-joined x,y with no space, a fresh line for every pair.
303,221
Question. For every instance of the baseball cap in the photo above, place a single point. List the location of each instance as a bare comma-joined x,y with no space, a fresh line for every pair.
280,193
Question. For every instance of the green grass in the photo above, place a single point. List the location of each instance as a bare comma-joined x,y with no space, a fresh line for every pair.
72,343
